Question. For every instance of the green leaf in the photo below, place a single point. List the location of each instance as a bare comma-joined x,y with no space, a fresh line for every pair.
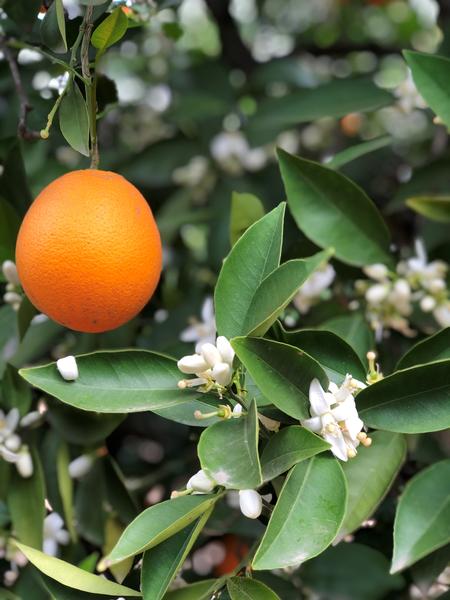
332,210
426,571
116,381
334,99
9,227
422,520
53,28
282,373
436,208
72,576
173,30
254,256
333,353
65,486
26,502
288,447
244,588
62,592
111,30
353,152
61,21
246,209
116,491
15,392
8,329
307,516
431,75
161,564
369,477
415,400
351,572
352,328
228,451
74,119
25,315
157,523
195,591
432,348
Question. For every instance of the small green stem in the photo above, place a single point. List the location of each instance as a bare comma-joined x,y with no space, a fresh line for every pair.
90,85
52,113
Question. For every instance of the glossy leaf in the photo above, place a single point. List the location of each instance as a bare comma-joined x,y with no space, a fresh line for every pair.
8,330
254,256
307,516
15,392
369,477
158,523
74,119
161,564
53,28
415,400
9,226
65,485
333,353
194,591
111,30
431,75
435,347
25,315
228,451
353,152
333,211
282,373
72,576
352,328
246,209
436,208
288,447
245,588
115,382
422,520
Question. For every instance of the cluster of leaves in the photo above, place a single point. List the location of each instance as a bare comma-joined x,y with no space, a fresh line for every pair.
316,501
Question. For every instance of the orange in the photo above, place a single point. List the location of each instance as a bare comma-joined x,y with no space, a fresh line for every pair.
88,251
236,549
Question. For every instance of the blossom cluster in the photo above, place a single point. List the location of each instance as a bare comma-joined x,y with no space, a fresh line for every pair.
213,365
12,293
12,449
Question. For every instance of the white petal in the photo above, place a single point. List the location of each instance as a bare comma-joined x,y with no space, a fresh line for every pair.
377,293
320,403
222,373
225,349
338,445
62,537
52,523
50,547
345,410
208,310
190,334
313,424
210,354
192,364
68,368
250,503
11,457
377,271
30,418
201,482
354,425
10,272
80,466
12,419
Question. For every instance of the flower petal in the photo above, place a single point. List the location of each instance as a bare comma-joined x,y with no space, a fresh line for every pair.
319,401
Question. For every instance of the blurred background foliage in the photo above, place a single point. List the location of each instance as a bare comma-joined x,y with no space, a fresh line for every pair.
193,102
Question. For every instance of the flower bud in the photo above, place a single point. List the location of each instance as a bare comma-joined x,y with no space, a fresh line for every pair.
436,285
12,298
402,290
80,466
210,354
31,418
428,304
237,411
24,465
192,364
377,293
250,503
442,314
13,442
377,271
68,368
201,482
225,349
222,373
10,272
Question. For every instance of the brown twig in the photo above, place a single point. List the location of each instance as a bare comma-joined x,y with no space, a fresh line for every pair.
22,129
90,86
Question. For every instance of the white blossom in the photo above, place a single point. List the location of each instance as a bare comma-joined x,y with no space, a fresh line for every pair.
442,314
250,503
202,331
12,449
213,364
54,534
313,288
377,271
233,153
80,466
68,368
408,97
9,271
201,483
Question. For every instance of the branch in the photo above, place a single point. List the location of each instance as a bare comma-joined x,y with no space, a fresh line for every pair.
25,106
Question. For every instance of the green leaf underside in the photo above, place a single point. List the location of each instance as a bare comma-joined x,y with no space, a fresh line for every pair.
72,576
435,347
113,381
244,588
158,523
415,400
422,520
288,447
194,591
369,477
281,372
307,516
246,209
436,208
111,30
353,152
74,119
228,451
332,210
354,330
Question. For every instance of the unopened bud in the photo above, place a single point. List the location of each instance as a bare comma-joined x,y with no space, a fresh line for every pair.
68,368
377,293
210,354
192,364
225,349
9,270
428,304
250,503
377,271
237,411
44,134
12,298
222,373
24,465
201,482
80,466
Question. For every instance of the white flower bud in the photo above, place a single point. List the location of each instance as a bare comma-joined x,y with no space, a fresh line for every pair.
30,419
10,272
377,271
442,314
237,411
80,466
13,442
377,293
10,577
24,465
201,482
402,290
222,373
68,368
12,298
192,364
436,285
210,354
225,349
250,503
428,304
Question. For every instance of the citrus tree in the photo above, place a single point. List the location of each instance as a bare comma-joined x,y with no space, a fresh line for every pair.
239,397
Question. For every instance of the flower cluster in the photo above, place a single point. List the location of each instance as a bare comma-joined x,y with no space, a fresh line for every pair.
233,153
213,365
335,418
16,559
201,331
12,294
12,449
54,534
313,288
391,296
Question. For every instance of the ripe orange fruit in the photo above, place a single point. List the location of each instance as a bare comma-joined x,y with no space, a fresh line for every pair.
236,549
88,251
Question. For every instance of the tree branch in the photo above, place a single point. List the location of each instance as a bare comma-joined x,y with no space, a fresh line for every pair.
25,106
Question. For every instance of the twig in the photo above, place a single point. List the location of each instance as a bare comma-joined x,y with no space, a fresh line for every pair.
90,85
22,129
